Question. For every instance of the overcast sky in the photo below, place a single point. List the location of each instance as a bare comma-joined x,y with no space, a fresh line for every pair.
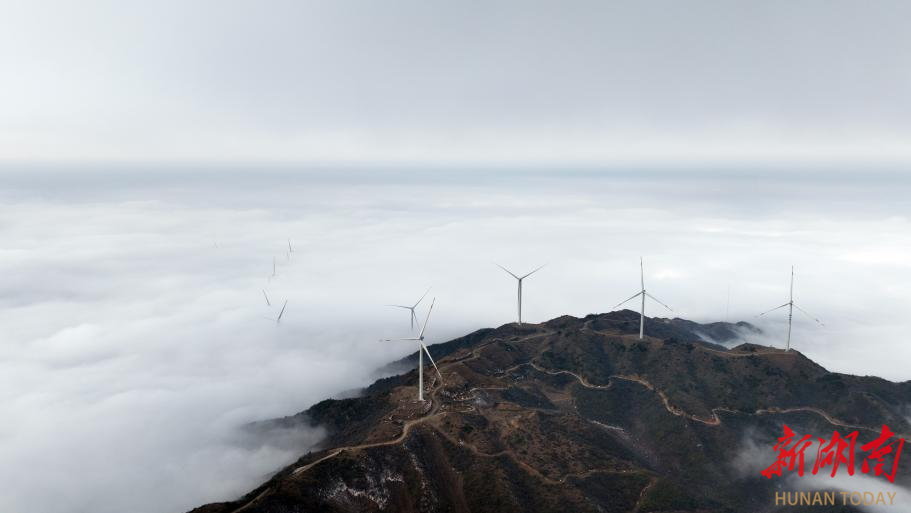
466,82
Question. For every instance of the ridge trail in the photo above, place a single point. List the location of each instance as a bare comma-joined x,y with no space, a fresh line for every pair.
434,412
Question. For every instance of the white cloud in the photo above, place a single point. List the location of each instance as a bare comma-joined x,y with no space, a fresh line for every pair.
134,348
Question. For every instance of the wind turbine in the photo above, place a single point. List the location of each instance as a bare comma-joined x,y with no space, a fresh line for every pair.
273,267
791,306
413,316
282,312
519,279
422,347
643,294
290,249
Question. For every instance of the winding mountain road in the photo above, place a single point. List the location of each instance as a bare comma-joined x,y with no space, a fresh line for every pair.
434,412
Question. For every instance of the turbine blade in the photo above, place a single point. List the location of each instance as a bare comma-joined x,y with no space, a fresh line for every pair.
282,312
424,326
642,272
533,272
637,294
427,352
507,270
412,339
422,298
772,310
659,302
808,314
267,298
400,306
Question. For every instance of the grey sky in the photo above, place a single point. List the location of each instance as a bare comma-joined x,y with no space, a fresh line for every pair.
430,82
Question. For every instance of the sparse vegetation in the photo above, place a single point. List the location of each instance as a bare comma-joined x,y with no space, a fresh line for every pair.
587,420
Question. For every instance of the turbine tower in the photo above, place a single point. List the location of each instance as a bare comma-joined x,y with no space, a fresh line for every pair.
519,279
421,350
411,308
642,293
791,306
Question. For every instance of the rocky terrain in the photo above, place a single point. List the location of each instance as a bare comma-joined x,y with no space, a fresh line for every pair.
580,415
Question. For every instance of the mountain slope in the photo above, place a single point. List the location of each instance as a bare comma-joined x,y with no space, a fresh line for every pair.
576,415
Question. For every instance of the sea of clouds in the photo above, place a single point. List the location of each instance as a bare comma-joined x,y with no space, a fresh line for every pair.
135,341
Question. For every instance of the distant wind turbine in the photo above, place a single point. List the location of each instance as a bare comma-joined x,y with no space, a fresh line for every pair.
290,249
282,312
643,294
411,308
421,350
273,268
519,279
791,306
279,318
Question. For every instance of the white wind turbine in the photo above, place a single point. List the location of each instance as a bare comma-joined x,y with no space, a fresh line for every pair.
290,249
519,279
411,308
421,350
791,306
643,294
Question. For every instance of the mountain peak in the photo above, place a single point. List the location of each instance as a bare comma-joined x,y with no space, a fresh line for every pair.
571,414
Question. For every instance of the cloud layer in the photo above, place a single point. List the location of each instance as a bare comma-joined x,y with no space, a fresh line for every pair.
135,338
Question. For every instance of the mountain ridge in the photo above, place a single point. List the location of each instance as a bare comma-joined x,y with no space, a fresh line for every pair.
570,411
